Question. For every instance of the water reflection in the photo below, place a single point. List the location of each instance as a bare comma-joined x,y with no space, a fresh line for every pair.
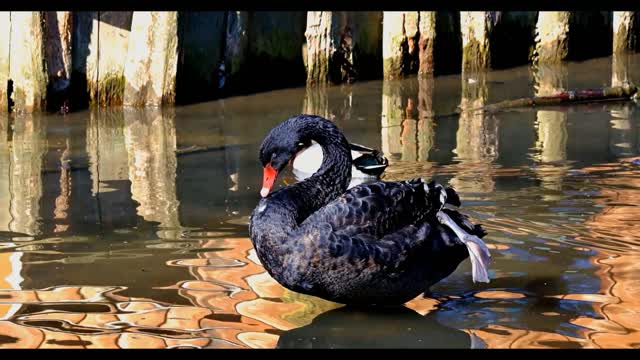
128,228
377,328
476,138
407,123
623,137
109,169
150,141
551,127
22,162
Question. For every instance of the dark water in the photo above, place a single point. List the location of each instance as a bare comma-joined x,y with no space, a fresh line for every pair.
129,228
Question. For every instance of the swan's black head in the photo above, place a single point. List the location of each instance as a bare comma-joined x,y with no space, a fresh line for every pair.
279,148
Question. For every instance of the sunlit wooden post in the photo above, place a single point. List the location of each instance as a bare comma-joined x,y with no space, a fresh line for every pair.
552,36
332,38
625,28
152,58
105,36
408,43
27,62
475,27
5,36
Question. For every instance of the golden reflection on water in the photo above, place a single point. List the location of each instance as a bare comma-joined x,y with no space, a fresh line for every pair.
99,247
150,140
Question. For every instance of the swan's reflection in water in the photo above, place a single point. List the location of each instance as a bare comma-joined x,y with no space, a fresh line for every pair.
393,327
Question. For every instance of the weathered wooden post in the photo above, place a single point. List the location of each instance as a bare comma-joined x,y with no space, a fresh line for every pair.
625,28
336,44
27,67
399,38
201,55
407,43
5,41
237,42
552,36
475,27
102,40
426,42
277,39
59,25
152,58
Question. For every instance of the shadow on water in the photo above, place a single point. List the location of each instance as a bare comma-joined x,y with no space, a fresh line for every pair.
397,327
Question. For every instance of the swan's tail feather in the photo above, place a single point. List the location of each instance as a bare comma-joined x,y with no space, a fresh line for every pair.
478,251
480,258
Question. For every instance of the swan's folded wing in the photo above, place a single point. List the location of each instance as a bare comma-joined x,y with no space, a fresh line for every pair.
324,250
375,209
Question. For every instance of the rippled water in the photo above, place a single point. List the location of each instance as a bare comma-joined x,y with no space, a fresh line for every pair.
123,229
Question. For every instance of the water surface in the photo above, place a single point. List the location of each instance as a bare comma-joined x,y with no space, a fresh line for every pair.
123,229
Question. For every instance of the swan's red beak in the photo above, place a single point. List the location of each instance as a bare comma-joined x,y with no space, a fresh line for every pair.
269,177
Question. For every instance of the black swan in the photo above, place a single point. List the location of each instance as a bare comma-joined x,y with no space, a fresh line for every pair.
367,164
380,243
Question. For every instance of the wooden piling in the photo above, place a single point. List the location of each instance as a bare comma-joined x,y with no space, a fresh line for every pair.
340,44
152,58
237,41
277,39
107,49
552,36
58,25
398,28
407,43
475,27
201,54
321,43
27,68
5,36
624,31
426,41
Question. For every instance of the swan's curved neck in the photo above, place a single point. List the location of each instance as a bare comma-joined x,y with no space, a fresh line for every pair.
277,216
332,178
